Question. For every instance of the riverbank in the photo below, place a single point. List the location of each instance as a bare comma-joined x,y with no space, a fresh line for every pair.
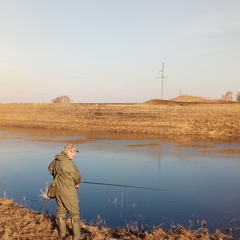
192,117
19,223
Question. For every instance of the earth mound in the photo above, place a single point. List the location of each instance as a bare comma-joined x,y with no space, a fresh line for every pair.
157,101
180,99
189,98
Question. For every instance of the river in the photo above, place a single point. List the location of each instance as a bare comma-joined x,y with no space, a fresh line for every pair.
195,183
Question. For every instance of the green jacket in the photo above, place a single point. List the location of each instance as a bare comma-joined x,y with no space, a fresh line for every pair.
68,175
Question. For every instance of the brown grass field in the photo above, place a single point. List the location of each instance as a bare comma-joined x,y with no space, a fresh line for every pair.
183,117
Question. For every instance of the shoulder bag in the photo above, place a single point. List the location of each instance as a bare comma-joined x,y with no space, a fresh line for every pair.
51,193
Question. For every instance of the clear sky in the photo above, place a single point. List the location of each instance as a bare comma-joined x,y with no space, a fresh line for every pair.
112,50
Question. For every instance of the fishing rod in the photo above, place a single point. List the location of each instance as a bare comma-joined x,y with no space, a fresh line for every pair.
122,185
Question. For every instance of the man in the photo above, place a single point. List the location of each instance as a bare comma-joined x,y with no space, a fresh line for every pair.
68,180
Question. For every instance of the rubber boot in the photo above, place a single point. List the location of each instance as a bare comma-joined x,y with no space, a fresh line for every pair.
62,227
76,229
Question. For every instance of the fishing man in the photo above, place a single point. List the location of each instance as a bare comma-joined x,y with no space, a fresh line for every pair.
68,180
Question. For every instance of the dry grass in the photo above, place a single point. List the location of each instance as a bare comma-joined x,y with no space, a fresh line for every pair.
192,119
18,223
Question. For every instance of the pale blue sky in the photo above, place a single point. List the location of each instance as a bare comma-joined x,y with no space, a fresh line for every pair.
112,50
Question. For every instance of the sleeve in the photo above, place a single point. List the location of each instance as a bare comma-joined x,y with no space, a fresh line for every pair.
76,174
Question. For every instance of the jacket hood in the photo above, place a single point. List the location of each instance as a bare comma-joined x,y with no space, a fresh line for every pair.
62,156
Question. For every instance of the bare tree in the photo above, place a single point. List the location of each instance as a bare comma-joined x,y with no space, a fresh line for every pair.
228,96
222,97
238,97
62,99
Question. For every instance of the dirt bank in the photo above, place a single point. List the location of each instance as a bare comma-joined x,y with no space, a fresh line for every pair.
18,223
186,116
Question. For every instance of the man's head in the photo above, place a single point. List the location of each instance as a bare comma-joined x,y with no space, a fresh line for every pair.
70,150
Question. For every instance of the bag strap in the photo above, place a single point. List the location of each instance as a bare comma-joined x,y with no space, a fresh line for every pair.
55,177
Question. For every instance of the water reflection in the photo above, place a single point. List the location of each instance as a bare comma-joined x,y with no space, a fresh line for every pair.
198,180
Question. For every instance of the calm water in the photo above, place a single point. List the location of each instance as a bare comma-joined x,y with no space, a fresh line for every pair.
197,180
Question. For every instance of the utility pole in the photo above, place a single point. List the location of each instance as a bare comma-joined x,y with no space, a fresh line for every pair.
162,79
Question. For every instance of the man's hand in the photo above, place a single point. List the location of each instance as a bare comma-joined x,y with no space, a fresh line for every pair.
77,185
